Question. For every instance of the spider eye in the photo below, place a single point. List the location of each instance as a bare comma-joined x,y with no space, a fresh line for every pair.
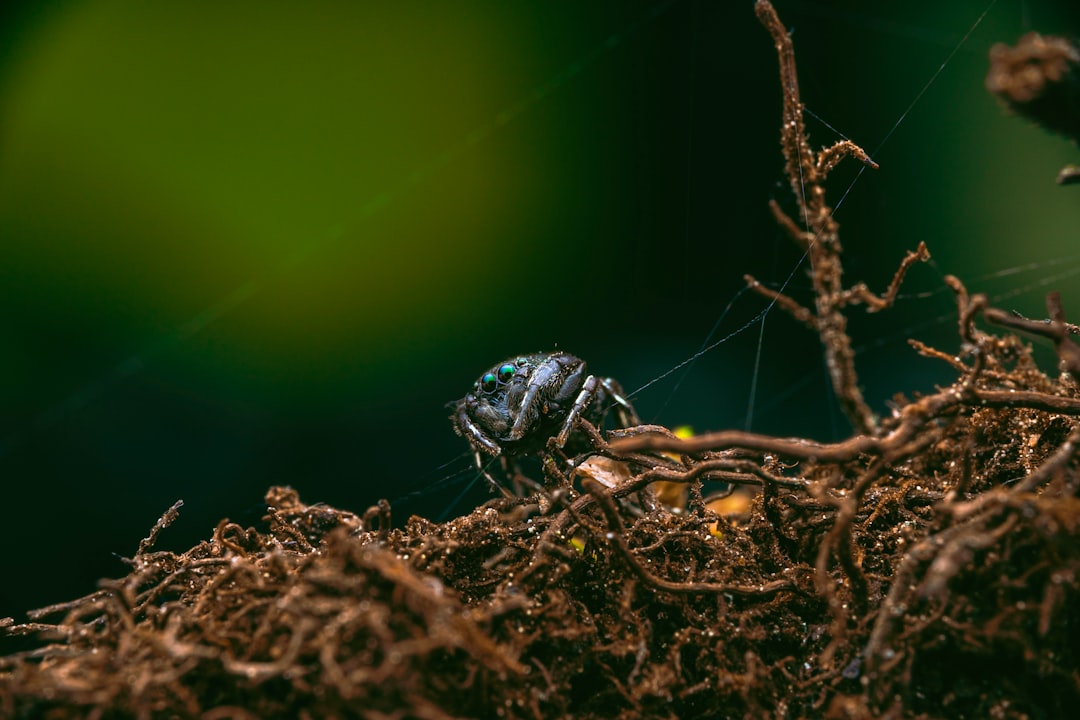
488,382
506,372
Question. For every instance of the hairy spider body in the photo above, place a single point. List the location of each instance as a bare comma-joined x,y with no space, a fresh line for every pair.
517,407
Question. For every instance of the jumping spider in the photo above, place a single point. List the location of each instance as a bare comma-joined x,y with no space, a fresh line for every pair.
529,404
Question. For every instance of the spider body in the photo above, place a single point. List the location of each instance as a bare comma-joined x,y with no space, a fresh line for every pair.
517,407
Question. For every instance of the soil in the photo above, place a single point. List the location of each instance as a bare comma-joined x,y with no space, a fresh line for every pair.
928,566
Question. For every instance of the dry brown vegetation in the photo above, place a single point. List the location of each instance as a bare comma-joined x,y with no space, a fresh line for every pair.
928,566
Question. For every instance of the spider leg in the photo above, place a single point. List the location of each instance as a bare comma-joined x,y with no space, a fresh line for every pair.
476,437
627,416
482,466
479,441
586,396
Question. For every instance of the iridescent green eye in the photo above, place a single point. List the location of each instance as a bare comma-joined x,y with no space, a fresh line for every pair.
488,382
506,372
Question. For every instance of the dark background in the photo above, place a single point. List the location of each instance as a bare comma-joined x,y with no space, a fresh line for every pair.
249,244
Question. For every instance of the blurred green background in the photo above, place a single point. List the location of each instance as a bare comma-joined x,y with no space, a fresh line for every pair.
254,243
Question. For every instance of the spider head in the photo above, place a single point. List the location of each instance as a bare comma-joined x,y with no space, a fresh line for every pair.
517,405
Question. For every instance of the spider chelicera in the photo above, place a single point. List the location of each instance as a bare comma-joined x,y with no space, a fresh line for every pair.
517,407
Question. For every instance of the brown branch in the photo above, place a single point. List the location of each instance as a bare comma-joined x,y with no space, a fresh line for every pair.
1055,464
163,522
801,237
929,352
618,541
915,413
828,158
1056,329
785,302
806,171
876,303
